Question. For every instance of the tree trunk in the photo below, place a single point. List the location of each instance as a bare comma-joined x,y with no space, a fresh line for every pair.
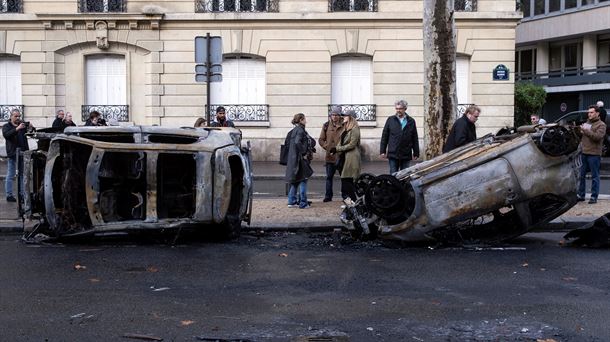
440,100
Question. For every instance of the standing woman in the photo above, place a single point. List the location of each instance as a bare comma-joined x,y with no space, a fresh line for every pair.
298,169
349,154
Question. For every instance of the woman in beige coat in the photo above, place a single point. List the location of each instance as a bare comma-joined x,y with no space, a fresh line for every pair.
349,153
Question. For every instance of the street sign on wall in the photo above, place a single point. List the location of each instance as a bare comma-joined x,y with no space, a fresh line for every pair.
500,73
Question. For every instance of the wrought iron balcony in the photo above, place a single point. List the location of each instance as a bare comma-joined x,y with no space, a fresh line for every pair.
243,112
465,5
101,6
461,109
118,113
11,6
352,5
567,76
236,6
5,111
365,112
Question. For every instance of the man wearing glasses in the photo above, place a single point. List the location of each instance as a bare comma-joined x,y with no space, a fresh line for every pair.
463,130
399,141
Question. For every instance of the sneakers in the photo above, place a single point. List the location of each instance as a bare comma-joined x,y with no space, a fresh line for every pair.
11,198
593,201
327,200
293,205
580,199
305,207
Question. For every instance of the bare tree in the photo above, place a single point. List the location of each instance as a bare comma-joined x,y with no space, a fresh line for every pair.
440,101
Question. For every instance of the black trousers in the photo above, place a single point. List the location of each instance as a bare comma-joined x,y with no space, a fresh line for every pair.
348,189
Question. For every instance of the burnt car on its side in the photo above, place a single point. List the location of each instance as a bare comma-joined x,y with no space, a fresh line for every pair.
493,189
107,180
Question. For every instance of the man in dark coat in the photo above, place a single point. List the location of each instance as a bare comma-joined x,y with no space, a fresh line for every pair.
399,141
58,122
221,119
463,130
14,133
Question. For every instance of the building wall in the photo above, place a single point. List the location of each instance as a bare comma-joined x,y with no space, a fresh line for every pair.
52,39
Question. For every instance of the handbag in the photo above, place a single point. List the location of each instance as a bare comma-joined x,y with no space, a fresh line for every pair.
340,162
284,154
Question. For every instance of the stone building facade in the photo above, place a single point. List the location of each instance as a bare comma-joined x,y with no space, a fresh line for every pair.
134,61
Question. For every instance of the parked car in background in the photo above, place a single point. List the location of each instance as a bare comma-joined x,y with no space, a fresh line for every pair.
106,180
579,117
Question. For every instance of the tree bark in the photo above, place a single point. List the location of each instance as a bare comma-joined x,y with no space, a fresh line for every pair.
440,100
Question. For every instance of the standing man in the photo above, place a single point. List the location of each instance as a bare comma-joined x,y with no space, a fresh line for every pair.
602,111
221,119
399,141
593,132
14,133
463,130
330,136
67,121
58,122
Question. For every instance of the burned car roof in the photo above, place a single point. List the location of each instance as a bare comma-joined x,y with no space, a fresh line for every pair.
96,180
493,189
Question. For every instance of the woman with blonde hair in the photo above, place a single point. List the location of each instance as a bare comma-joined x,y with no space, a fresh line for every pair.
200,123
300,149
349,154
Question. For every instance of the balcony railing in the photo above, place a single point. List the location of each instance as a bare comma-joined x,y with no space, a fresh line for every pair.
101,6
11,6
352,5
365,112
236,6
243,112
5,111
465,5
461,109
118,113
567,76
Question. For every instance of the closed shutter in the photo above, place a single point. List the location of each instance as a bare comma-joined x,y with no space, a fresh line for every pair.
243,82
462,79
351,80
10,81
106,80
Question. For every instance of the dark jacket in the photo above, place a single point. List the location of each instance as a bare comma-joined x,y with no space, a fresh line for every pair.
330,136
602,114
14,139
462,132
398,142
226,123
57,123
298,168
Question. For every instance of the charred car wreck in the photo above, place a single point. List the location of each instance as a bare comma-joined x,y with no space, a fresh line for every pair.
102,180
493,189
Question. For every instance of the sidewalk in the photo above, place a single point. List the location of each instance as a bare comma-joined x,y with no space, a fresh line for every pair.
272,213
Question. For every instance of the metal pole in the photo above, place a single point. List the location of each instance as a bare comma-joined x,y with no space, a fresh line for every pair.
208,66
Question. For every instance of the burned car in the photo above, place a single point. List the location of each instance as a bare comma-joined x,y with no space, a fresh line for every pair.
102,180
493,189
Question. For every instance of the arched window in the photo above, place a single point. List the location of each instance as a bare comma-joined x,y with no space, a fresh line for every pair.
10,86
351,88
106,92
242,90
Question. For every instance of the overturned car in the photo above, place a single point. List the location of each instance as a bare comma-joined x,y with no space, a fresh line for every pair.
106,180
493,189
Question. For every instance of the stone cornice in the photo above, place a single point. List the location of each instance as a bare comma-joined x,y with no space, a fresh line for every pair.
66,21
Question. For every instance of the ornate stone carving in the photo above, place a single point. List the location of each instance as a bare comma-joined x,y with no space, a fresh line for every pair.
101,34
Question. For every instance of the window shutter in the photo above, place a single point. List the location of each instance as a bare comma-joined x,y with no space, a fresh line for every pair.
351,80
10,81
462,79
106,80
243,82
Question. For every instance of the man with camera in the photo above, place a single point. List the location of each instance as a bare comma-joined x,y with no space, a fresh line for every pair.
14,134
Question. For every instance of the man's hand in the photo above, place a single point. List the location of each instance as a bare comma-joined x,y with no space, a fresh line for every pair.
20,127
415,157
383,156
333,150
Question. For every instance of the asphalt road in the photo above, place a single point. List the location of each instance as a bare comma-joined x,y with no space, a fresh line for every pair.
282,286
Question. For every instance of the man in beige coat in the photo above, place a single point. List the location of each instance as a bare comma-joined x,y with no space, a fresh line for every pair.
330,136
593,132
